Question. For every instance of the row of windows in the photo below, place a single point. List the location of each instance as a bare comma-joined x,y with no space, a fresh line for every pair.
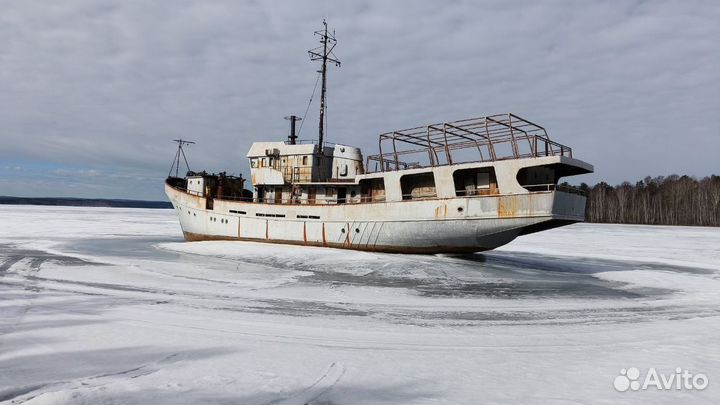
269,161
222,220
259,214
225,221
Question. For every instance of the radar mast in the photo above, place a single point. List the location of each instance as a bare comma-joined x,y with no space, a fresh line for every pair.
324,53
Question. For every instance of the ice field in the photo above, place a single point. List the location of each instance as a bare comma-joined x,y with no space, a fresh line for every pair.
111,306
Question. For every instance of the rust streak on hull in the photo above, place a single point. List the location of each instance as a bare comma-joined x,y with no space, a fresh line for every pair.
507,206
324,242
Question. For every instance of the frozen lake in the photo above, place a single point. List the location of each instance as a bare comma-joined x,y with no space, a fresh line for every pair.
109,305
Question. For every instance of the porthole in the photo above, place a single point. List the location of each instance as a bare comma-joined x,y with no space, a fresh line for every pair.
342,230
357,230
460,209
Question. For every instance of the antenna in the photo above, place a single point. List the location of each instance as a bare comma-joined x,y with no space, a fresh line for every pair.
324,53
178,153
293,119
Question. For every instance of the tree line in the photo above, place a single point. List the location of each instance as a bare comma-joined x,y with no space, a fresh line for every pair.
671,200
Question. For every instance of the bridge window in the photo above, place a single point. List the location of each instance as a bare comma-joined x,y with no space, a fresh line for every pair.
477,181
372,190
418,186
537,178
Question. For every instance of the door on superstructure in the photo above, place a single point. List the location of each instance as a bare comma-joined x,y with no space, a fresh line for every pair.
312,193
208,196
278,195
341,195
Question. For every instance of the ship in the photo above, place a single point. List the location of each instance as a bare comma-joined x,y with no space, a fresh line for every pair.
450,187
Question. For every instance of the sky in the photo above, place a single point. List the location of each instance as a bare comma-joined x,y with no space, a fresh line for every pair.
92,92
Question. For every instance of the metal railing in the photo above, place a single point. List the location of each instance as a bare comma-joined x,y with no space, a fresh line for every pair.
406,197
495,137
311,142
554,187
419,196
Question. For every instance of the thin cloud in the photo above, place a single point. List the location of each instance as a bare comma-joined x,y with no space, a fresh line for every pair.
77,172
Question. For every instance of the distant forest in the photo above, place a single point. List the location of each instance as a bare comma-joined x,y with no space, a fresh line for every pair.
671,200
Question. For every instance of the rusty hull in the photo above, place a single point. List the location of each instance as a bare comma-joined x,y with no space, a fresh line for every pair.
435,225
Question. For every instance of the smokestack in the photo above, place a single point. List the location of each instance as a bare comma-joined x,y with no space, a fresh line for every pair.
292,137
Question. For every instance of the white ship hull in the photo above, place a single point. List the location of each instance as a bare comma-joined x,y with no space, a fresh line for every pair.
440,225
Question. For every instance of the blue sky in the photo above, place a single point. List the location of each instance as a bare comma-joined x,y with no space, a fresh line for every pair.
92,92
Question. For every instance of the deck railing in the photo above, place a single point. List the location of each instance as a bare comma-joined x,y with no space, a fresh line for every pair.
367,199
555,187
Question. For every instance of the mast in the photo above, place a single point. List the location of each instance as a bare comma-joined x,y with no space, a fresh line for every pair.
324,53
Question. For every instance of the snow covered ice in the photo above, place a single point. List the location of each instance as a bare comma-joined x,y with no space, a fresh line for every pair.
111,306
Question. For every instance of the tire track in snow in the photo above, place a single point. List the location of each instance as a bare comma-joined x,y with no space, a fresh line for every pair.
27,393
330,377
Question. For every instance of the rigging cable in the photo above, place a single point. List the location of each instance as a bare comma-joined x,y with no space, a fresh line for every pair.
308,106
